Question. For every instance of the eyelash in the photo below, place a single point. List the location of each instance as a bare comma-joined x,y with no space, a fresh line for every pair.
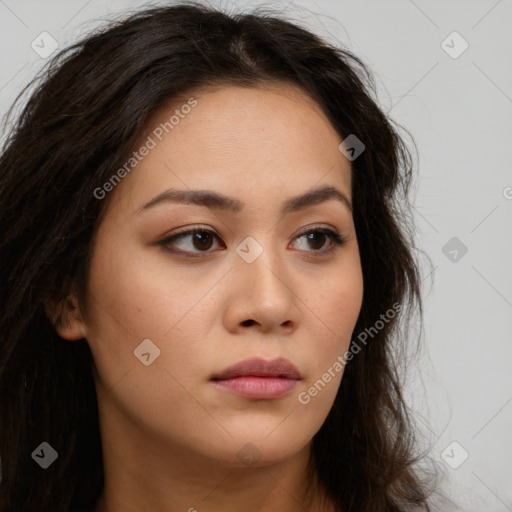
336,240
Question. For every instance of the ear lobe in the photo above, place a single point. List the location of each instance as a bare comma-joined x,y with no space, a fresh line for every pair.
66,317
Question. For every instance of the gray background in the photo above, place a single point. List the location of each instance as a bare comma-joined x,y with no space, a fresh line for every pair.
459,111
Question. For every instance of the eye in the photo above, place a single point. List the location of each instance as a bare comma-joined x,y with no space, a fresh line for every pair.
201,240
317,238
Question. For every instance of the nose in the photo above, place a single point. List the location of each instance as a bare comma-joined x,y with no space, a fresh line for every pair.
262,295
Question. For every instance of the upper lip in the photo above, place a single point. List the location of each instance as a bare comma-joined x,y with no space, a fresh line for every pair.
257,367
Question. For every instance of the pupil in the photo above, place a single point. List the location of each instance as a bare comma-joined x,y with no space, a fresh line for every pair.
199,237
313,236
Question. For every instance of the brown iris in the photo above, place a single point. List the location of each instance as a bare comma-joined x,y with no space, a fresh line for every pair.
202,240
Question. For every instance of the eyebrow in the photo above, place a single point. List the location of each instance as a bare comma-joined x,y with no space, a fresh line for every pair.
217,201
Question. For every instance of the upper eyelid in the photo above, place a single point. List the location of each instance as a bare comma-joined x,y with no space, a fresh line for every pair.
195,229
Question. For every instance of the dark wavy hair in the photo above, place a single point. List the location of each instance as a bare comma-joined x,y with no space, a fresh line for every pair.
83,117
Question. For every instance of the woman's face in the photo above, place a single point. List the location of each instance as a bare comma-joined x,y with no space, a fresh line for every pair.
163,318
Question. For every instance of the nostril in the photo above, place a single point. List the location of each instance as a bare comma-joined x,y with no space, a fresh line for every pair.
247,323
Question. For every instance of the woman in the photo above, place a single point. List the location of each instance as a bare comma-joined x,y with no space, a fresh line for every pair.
205,259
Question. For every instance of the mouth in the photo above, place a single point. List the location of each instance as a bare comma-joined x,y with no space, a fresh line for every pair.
258,379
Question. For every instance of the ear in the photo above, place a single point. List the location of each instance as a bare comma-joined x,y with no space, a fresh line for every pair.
66,317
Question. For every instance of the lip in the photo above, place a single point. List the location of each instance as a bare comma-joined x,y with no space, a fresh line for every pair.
257,367
258,379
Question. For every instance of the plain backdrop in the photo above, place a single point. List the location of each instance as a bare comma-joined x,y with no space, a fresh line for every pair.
443,70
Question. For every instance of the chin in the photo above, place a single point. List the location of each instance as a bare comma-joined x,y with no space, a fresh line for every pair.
253,451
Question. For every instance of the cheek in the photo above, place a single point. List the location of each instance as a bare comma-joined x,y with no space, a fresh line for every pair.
130,303
133,299
337,306
338,302
147,296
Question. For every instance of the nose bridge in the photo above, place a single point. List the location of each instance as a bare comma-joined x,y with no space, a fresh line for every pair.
261,296
262,268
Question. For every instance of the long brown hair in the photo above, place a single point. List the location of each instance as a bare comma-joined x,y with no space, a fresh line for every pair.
83,117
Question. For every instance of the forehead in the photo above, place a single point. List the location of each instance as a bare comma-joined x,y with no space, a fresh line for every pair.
240,141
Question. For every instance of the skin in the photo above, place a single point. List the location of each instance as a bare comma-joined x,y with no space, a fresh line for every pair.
170,437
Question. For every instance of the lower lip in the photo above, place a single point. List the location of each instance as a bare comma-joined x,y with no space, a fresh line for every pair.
261,388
